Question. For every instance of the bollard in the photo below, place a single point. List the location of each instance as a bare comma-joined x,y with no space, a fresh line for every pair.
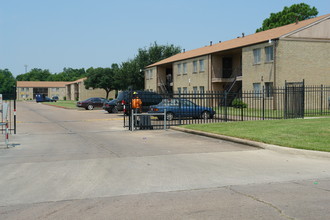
7,135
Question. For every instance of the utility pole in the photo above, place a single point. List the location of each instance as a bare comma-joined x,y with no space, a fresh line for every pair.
25,68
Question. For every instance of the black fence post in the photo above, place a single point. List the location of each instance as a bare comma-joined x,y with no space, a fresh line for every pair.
321,112
263,103
303,99
226,115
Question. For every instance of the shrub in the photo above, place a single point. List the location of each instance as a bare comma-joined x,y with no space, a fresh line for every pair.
64,98
238,103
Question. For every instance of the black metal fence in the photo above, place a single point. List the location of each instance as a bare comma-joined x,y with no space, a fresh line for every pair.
10,100
291,101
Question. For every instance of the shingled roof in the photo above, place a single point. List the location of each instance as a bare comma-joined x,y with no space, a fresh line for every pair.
256,38
40,84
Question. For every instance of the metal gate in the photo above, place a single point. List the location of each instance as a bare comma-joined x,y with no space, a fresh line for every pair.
294,99
8,113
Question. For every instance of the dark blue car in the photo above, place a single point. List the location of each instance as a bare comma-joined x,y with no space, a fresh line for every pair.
181,108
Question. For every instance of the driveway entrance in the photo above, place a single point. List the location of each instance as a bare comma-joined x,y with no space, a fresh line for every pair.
84,164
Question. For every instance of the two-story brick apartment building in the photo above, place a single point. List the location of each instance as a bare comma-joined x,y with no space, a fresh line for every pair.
266,59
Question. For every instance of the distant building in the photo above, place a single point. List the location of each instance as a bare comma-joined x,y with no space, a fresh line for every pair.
27,90
76,91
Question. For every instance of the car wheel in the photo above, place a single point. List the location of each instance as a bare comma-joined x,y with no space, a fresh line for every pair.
115,110
169,116
206,115
90,107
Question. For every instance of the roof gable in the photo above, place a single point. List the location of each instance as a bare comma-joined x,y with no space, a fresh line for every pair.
317,30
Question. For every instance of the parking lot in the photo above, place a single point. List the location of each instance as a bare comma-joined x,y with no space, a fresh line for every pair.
70,164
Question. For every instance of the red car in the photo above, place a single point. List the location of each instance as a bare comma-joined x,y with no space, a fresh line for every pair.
91,103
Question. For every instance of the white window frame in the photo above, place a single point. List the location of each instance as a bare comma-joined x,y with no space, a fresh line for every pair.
201,89
269,51
151,73
201,66
257,56
185,69
257,90
179,68
195,66
185,90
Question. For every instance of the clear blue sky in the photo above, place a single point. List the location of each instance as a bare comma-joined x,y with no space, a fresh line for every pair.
53,34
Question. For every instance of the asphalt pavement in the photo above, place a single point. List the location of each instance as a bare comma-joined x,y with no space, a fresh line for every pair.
77,164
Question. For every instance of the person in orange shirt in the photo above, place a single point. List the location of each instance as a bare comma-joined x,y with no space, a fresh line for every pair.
136,103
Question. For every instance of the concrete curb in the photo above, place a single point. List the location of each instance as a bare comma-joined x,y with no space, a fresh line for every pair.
279,149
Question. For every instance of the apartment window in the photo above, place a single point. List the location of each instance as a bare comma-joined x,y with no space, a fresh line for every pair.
185,68
268,89
195,66
185,90
257,55
26,89
147,74
195,89
256,89
201,66
201,89
151,73
179,90
179,69
269,54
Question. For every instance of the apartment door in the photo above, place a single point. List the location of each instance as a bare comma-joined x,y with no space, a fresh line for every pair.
227,67
294,100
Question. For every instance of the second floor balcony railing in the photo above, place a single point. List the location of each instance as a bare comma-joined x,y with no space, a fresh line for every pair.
227,74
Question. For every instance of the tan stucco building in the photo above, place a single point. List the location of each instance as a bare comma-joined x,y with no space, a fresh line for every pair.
295,52
27,90
76,91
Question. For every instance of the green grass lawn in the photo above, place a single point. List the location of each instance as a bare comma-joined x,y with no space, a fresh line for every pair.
311,134
65,104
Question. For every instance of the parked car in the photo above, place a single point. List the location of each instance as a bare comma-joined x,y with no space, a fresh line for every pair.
47,99
91,103
111,106
43,98
147,98
181,108
55,97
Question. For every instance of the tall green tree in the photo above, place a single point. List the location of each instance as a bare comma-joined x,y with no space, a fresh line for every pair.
288,15
68,74
131,73
7,82
100,78
35,75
